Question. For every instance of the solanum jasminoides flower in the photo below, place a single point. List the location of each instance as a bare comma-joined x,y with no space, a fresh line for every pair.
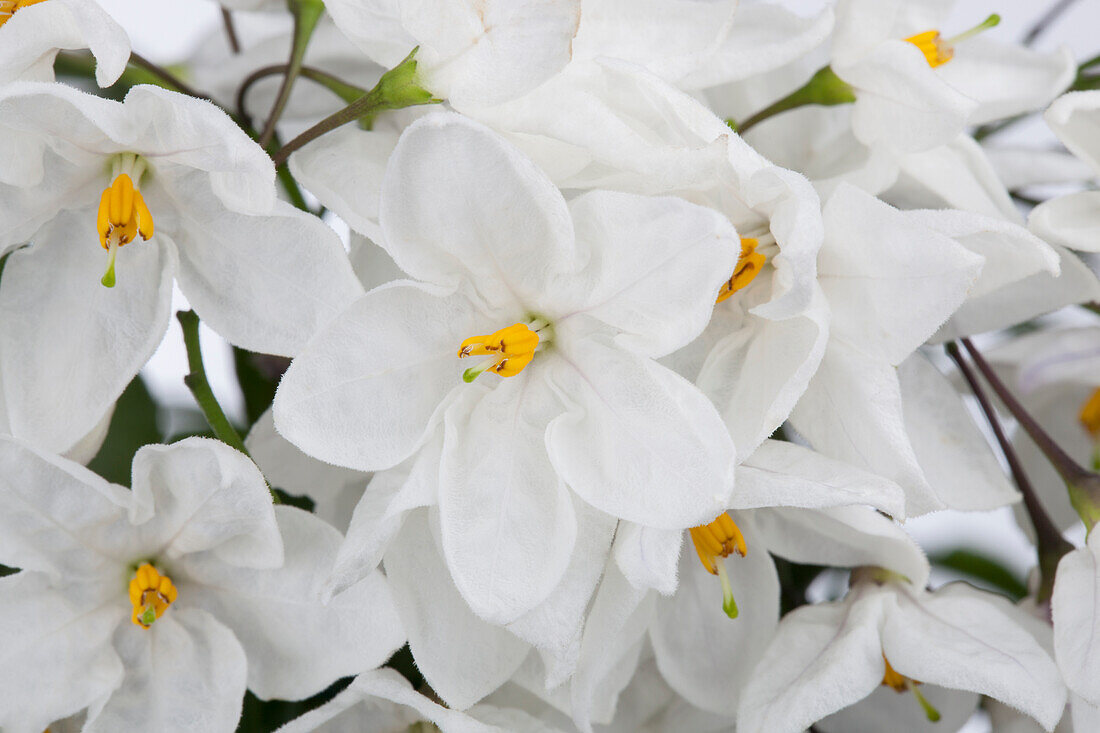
154,608
888,631
118,200
530,343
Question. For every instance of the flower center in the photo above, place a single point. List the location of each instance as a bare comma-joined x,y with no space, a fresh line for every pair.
509,349
938,51
151,594
716,541
122,211
748,267
8,8
901,683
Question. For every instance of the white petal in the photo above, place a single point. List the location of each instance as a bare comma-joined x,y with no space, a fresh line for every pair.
462,657
955,457
333,490
847,536
1036,295
554,626
75,350
958,175
852,411
199,494
58,516
1072,220
759,367
886,709
703,654
890,282
266,283
671,39
763,37
31,39
649,557
639,442
372,264
1073,118
506,517
364,391
375,27
295,645
1011,253
955,638
344,169
823,658
459,203
382,701
185,673
56,656
1007,79
491,52
381,511
1075,608
786,474
901,104
655,266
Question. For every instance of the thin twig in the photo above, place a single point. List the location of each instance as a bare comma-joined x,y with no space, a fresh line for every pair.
337,86
230,31
166,76
306,16
1047,20
1051,545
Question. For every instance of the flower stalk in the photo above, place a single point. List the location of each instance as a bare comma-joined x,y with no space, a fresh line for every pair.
306,15
824,88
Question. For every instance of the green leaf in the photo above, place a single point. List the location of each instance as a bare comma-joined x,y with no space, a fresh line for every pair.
264,716
983,568
133,425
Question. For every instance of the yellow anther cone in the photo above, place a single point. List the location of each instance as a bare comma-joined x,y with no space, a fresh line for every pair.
511,349
715,541
122,216
748,267
150,595
1090,414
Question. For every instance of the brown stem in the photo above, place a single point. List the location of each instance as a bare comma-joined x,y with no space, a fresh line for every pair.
1051,545
230,31
167,76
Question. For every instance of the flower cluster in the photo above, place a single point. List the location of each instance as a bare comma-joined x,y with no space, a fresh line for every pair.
653,328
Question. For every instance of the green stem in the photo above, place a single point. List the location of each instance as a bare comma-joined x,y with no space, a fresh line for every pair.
196,381
398,88
824,88
306,15
347,92
1050,544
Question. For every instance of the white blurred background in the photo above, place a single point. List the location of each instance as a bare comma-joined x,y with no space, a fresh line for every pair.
167,32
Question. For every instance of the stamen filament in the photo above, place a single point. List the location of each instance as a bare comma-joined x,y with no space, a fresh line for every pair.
930,711
991,22
108,279
729,605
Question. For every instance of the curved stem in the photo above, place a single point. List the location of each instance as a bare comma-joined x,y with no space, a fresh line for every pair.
348,92
306,15
1051,545
824,88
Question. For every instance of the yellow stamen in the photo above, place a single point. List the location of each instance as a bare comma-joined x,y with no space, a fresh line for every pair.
748,267
1090,415
900,683
150,594
8,8
938,51
122,216
716,541
510,349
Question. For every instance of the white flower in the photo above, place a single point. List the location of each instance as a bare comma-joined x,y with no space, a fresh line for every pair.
916,89
1076,627
892,278
155,607
33,31
1073,220
469,53
577,300
184,178
889,631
